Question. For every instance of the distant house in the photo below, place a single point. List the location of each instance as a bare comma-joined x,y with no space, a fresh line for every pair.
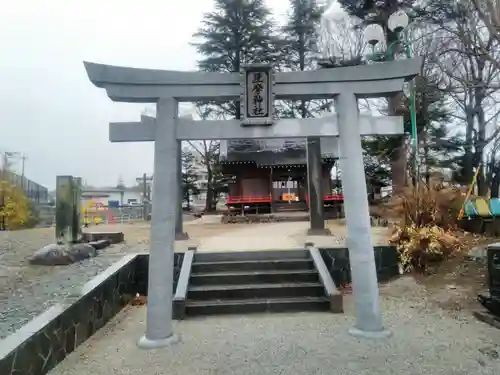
111,196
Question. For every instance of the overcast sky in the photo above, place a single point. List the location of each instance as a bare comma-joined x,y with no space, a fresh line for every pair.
50,111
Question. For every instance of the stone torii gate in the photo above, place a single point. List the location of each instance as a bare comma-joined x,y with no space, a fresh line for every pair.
256,89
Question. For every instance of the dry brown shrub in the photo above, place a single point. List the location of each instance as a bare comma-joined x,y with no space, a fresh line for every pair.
428,206
426,231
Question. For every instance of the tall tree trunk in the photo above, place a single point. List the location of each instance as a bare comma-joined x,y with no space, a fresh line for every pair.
237,67
302,67
398,156
495,183
469,147
482,186
210,191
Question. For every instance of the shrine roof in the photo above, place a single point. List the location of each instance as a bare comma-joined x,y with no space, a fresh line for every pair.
269,152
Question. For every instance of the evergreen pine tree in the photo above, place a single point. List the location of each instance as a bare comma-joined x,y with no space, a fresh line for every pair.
235,33
298,43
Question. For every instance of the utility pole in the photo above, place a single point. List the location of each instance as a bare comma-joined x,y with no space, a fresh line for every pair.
23,160
145,180
145,187
6,155
146,194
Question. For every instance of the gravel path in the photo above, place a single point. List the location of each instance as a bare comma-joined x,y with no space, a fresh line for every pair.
426,341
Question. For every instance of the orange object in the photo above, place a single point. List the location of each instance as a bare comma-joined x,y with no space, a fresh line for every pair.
139,300
469,192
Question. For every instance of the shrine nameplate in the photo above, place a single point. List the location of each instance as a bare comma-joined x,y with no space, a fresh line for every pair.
257,103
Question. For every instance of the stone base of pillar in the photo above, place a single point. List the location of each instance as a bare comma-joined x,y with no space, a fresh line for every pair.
181,236
383,334
319,232
145,343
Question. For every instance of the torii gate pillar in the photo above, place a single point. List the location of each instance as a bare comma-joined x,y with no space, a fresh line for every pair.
180,235
315,188
166,89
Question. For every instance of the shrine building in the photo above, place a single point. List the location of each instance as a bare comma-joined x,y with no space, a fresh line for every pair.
270,175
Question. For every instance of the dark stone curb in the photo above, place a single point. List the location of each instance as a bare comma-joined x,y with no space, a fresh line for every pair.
488,318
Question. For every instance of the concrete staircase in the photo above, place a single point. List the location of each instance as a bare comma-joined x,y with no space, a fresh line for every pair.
253,282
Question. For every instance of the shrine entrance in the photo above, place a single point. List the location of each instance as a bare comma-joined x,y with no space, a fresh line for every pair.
286,189
168,88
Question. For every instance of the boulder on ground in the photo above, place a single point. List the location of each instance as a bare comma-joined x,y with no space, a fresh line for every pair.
101,244
113,237
81,251
62,255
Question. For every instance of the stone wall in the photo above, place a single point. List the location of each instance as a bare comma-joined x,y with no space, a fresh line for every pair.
337,262
45,341
141,276
486,226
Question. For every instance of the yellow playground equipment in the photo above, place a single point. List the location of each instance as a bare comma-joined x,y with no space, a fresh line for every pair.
479,207
93,213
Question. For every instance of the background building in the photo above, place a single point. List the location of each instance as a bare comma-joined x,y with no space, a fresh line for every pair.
111,196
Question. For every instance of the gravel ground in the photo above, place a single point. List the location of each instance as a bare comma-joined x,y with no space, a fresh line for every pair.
425,341
59,284
26,290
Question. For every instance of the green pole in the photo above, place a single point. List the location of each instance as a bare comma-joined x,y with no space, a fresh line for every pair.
413,116
413,110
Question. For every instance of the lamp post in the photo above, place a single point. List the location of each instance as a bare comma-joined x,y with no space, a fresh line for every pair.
374,34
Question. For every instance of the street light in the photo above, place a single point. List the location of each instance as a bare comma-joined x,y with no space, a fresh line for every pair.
374,34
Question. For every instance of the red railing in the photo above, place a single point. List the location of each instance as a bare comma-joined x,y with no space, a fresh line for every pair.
334,197
329,197
249,199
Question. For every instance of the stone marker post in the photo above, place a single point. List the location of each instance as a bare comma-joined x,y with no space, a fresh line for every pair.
68,210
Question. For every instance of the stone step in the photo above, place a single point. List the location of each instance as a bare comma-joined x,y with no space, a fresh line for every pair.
293,206
239,256
263,305
253,265
256,277
255,291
